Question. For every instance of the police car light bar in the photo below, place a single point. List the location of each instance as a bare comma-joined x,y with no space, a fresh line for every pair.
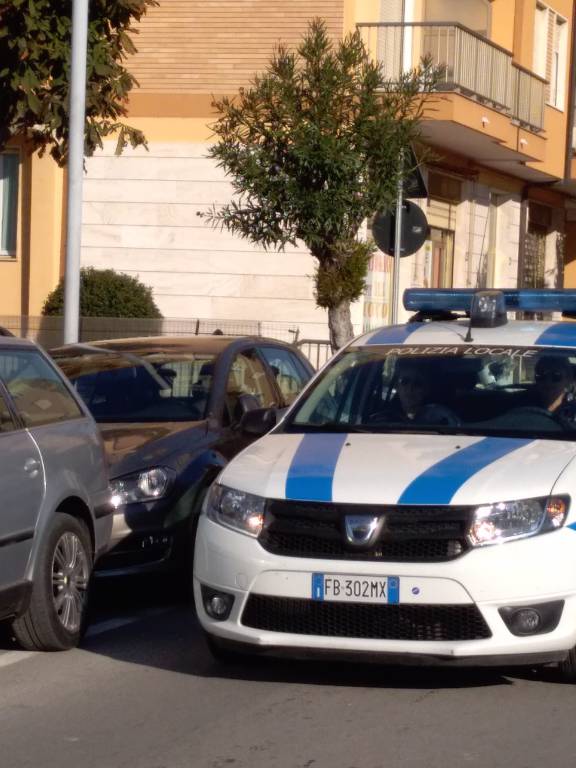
437,300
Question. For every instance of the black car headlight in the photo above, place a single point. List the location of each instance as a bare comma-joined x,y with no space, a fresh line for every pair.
509,520
147,485
239,510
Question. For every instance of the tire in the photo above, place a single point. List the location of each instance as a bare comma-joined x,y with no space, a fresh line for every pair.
567,668
55,619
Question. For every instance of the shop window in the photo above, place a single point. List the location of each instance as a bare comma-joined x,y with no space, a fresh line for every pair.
439,258
534,262
8,203
444,187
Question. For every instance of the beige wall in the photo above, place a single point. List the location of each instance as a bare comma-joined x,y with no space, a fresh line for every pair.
140,216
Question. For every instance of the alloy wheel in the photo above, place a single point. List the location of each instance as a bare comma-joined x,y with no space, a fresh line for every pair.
70,579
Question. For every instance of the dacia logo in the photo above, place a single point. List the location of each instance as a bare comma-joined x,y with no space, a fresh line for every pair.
362,530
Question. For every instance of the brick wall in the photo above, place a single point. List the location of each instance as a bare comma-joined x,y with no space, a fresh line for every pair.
216,46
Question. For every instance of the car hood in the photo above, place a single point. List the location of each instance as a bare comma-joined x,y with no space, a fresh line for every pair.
399,469
130,447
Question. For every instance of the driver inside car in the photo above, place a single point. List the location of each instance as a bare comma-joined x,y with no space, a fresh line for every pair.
414,399
553,387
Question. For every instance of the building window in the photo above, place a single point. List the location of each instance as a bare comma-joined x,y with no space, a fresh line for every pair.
473,14
558,64
8,203
550,53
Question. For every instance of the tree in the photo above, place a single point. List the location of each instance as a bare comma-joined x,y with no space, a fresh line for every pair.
106,293
35,44
312,148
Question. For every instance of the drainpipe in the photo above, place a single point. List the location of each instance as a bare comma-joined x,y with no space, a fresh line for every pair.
471,232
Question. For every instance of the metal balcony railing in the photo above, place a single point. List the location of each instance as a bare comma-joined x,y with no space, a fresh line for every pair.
529,93
470,63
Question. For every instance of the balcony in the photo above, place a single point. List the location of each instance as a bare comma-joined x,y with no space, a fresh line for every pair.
472,66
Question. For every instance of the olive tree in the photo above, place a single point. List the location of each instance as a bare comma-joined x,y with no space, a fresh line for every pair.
312,149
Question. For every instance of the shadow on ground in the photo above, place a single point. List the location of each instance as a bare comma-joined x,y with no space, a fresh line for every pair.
173,641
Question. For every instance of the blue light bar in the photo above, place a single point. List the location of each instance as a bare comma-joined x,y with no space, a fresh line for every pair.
460,300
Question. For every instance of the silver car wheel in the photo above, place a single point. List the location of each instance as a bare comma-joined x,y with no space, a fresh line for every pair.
70,579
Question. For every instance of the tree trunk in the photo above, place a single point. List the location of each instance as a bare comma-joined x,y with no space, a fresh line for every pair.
340,325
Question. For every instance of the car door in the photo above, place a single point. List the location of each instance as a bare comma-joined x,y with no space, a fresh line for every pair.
290,374
66,436
21,493
247,386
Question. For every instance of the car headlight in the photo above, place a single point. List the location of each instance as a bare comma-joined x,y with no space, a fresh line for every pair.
148,485
241,511
496,523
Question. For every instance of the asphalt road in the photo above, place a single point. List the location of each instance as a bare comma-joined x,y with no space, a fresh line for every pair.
143,692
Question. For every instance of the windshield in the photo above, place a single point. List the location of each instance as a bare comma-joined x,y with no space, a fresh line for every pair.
124,387
454,390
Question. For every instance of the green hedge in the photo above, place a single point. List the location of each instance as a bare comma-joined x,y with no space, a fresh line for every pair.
106,293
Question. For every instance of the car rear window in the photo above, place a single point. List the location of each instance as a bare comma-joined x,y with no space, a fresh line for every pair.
125,387
38,392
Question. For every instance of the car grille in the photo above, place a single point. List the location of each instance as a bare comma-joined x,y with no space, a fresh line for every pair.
377,622
410,534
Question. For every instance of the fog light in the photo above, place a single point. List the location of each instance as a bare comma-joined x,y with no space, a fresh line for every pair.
532,619
527,621
217,604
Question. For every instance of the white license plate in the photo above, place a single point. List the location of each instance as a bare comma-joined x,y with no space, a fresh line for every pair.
355,589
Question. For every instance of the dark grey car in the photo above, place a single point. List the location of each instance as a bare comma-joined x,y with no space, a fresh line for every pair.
55,511
171,411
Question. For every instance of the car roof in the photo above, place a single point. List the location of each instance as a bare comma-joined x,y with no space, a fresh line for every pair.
15,341
454,333
213,344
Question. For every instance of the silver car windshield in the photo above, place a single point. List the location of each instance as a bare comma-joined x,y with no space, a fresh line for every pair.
465,389
124,387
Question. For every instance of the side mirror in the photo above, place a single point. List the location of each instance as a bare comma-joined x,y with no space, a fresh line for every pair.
247,403
259,421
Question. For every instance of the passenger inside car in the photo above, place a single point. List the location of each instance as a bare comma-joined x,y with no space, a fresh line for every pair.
415,398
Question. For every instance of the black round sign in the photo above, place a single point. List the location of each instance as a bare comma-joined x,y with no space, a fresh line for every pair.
414,230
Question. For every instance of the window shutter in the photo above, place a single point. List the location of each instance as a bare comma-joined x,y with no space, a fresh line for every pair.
551,28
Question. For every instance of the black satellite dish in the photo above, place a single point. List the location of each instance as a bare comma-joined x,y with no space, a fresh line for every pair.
414,230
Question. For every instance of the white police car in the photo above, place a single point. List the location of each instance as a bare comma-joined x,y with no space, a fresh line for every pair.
416,504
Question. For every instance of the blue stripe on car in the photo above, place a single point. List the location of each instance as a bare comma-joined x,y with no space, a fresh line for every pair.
558,335
396,334
311,472
439,483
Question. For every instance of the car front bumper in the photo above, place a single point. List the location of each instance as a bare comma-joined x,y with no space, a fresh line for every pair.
143,543
530,572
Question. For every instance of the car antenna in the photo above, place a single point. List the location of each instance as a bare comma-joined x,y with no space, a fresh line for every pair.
468,338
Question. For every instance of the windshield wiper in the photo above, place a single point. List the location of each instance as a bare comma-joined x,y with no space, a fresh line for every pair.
332,426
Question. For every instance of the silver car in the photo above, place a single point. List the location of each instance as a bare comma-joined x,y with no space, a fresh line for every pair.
55,511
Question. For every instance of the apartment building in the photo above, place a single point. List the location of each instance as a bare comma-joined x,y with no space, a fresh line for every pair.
501,189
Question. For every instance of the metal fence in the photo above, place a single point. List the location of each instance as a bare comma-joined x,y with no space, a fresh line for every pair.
49,331
471,64
529,93
317,351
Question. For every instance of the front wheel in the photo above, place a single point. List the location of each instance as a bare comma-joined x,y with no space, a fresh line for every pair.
56,615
